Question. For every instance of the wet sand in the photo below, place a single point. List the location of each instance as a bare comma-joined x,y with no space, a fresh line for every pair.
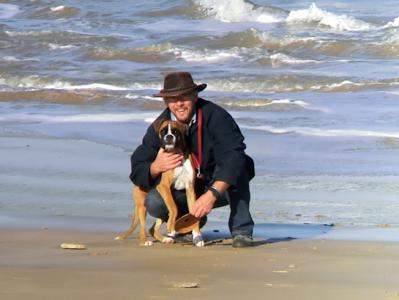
42,178
32,265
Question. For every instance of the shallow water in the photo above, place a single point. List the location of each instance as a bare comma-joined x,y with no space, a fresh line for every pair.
314,87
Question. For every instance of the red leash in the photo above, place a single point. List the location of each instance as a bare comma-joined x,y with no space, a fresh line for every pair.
198,160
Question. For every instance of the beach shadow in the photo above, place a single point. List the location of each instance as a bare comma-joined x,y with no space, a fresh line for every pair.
271,241
270,233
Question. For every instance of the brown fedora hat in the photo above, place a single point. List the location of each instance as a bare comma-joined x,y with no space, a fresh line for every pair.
179,83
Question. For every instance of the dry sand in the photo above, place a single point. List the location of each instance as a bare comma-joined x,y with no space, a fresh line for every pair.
33,266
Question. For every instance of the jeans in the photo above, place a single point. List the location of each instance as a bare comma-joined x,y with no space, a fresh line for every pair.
238,197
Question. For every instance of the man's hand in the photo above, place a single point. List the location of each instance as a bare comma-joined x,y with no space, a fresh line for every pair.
203,205
165,161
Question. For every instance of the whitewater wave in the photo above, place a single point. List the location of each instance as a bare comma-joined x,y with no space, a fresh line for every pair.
308,131
247,84
268,104
393,24
280,58
245,11
37,82
15,59
54,47
206,55
79,118
239,11
292,83
141,97
338,22
8,10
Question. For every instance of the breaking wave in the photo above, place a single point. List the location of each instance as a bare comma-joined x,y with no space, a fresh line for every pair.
338,22
293,83
240,11
268,104
37,82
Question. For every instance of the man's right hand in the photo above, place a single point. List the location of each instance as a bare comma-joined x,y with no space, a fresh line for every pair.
165,161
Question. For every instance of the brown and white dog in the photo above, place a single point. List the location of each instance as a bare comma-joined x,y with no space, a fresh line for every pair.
173,138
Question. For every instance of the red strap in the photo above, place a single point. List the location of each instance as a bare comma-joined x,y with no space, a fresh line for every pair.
198,161
199,136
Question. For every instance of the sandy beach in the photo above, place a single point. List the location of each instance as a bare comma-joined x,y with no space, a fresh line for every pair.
33,266
314,88
70,191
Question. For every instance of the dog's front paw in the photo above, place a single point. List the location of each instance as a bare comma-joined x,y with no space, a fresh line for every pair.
148,243
168,240
198,241
172,234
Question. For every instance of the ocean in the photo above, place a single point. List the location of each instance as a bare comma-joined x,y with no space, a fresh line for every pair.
314,87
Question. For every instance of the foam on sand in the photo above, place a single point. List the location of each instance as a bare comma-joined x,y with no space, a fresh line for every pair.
324,132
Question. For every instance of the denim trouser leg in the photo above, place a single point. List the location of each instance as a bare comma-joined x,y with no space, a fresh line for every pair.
240,221
156,207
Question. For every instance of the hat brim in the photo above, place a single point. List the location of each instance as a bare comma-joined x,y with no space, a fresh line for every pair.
166,93
186,223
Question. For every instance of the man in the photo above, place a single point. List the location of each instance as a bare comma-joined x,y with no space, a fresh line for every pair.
224,168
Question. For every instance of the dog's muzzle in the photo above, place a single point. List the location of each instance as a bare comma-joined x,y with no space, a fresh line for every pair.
169,140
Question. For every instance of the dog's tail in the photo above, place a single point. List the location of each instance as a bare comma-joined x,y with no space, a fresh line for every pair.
132,228
136,217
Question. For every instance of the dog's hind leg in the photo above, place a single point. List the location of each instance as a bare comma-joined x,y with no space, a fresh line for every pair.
135,217
132,228
140,213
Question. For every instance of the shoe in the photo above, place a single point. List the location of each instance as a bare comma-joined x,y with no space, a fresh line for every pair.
242,241
186,238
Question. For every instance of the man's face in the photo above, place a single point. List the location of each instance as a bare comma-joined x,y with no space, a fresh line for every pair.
182,107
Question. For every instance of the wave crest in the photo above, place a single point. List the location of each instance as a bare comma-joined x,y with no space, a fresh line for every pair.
338,22
240,11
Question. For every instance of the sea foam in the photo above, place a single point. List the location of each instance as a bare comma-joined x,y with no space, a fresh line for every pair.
280,58
319,132
206,55
237,11
78,118
337,22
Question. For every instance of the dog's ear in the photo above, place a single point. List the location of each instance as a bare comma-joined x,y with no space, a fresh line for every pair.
157,125
183,128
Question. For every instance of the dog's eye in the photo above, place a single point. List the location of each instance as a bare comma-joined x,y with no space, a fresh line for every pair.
174,131
163,131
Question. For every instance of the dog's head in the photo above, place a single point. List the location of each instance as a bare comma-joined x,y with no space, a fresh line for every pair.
172,134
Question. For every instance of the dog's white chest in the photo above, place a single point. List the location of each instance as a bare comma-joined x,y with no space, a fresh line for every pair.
183,175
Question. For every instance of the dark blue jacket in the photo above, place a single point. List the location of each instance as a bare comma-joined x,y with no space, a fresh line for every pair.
223,156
